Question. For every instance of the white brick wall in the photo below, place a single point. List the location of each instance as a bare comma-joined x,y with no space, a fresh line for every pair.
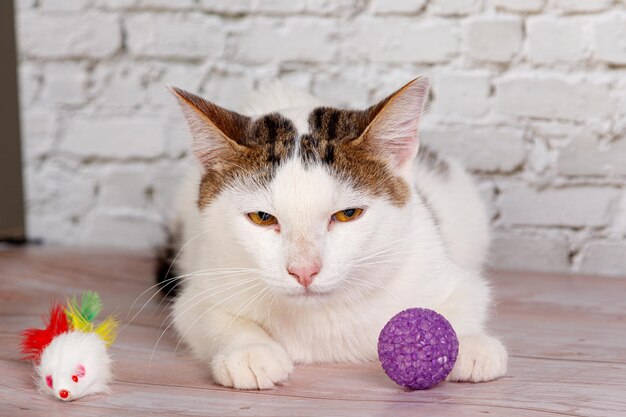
531,94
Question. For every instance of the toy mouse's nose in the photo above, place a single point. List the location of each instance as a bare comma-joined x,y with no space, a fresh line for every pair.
64,394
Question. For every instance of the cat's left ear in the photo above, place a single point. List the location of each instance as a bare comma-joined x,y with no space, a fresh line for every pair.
394,129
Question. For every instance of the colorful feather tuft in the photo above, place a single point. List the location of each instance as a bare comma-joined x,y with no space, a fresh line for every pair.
107,330
91,305
34,341
81,318
76,318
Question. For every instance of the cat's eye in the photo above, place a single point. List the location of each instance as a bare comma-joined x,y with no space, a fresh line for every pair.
262,218
348,215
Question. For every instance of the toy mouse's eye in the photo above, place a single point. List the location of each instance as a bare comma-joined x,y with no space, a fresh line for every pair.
49,381
74,378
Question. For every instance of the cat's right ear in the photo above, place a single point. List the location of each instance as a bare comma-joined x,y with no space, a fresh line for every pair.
215,130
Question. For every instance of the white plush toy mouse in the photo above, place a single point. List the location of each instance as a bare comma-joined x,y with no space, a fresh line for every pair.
70,354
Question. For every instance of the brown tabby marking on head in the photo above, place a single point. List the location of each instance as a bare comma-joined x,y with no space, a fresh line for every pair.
336,139
266,142
248,151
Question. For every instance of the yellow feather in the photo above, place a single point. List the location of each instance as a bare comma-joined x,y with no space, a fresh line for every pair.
107,330
76,318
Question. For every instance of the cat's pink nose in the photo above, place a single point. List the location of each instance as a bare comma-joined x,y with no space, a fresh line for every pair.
304,275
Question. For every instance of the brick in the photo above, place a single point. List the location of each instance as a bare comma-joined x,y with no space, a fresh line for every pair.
292,39
585,155
122,230
330,6
397,6
167,182
38,132
119,85
610,39
553,40
117,138
80,35
52,228
167,4
495,39
228,89
115,4
56,188
552,97
390,78
402,40
279,6
64,83
572,206
534,253
604,258
619,223
488,150
465,94
345,90
524,6
297,79
455,7
65,5
24,4
186,76
487,191
230,6
539,157
175,35
124,187
30,79
581,6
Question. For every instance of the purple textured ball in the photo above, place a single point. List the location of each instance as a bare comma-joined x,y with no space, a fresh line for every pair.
417,348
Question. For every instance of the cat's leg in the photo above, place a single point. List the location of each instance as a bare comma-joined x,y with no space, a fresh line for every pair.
481,357
239,352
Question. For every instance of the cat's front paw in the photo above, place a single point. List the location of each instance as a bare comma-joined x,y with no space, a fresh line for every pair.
255,366
481,358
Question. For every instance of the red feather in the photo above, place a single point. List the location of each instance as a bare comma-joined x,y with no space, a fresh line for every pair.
34,341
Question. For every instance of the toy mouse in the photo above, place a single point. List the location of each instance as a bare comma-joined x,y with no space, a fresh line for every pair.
70,354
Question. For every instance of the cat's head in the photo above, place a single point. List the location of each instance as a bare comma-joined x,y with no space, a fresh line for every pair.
315,206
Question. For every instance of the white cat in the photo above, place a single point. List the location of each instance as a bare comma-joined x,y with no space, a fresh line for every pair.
305,228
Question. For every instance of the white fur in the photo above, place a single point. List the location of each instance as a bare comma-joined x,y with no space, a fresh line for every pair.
62,358
249,320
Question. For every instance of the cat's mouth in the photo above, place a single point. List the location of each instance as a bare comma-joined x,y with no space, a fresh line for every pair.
309,294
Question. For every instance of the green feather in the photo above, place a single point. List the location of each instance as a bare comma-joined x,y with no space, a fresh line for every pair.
91,305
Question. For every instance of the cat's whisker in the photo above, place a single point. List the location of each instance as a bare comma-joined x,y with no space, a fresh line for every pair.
372,285
390,247
388,254
263,291
177,278
269,308
228,285
225,275
182,248
199,317
180,279
207,297
369,306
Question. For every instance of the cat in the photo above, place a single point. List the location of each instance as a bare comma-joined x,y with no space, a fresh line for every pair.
305,227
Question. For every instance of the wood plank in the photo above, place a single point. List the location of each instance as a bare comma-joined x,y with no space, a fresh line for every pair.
568,352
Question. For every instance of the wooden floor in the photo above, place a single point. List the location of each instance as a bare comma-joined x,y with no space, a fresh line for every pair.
566,336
